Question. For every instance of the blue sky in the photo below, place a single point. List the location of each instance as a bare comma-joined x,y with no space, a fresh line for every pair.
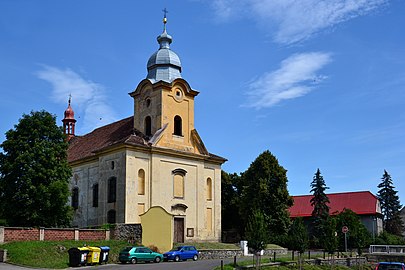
321,84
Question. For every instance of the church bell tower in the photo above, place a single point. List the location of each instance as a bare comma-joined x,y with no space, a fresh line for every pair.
164,101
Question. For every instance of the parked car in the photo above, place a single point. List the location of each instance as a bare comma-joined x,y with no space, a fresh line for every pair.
139,254
390,266
181,253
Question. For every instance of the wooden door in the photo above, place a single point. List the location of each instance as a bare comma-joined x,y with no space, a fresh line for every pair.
178,230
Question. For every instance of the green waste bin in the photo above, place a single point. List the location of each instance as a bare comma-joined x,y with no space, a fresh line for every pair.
78,256
104,254
94,255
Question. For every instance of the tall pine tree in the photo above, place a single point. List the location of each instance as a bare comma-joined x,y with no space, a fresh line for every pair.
34,173
390,205
320,212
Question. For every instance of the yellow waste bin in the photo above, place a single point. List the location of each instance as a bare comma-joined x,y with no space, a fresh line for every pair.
94,255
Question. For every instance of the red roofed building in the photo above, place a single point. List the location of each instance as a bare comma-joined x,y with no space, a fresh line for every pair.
363,203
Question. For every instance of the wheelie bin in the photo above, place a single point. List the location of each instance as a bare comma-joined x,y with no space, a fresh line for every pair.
104,254
94,255
78,256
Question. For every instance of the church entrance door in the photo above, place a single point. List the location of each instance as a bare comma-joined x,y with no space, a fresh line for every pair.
178,230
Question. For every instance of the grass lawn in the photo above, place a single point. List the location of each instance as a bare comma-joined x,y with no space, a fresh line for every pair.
53,254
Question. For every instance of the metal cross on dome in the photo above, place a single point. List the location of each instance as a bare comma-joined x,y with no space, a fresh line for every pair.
165,12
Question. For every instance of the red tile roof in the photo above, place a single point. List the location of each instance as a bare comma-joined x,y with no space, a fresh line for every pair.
360,202
119,132
105,136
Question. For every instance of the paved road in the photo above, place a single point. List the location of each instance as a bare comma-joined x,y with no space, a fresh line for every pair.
187,265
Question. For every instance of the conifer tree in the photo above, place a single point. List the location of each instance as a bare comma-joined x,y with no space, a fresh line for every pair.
34,173
320,212
390,206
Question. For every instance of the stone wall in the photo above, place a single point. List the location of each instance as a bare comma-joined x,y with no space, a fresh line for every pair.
219,253
128,232
230,253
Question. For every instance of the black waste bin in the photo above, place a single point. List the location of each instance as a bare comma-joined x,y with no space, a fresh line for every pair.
78,256
104,254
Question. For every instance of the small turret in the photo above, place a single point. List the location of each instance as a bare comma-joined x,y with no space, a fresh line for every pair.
69,121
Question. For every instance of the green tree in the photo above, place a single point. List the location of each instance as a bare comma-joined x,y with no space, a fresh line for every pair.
230,201
256,234
358,237
320,212
265,189
330,242
390,206
35,173
385,238
297,239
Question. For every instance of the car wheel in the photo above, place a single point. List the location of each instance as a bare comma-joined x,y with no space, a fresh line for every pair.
195,257
133,260
158,259
177,259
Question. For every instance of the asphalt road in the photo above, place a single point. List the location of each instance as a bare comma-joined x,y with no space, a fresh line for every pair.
187,265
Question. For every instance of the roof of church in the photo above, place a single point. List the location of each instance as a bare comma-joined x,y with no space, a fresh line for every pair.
360,202
119,132
102,137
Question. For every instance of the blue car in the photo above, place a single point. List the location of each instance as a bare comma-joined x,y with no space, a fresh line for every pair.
390,266
181,253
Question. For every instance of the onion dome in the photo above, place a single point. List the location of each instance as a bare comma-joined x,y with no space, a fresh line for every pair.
69,113
164,65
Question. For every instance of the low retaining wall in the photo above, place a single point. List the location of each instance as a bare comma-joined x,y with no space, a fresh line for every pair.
9,234
230,253
219,253
376,257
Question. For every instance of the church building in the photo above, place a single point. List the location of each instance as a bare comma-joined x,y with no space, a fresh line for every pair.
154,158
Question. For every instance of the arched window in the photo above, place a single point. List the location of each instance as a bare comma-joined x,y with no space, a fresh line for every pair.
111,216
178,126
95,195
148,126
178,186
209,189
141,182
75,198
112,189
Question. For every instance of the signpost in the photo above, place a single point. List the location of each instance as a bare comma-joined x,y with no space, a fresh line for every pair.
345,230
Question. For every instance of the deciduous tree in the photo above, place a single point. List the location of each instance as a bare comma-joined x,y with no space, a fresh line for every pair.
357,237
35,173
265,189
297,239
256,234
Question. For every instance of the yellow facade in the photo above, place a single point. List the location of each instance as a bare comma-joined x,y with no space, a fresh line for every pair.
157,229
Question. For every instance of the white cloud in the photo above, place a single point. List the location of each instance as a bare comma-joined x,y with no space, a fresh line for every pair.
295,21
296,77
87,97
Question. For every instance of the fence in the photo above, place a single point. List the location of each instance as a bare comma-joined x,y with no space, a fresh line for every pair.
8,234
387,249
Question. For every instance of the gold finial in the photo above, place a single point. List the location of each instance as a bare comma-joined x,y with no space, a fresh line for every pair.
164,17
